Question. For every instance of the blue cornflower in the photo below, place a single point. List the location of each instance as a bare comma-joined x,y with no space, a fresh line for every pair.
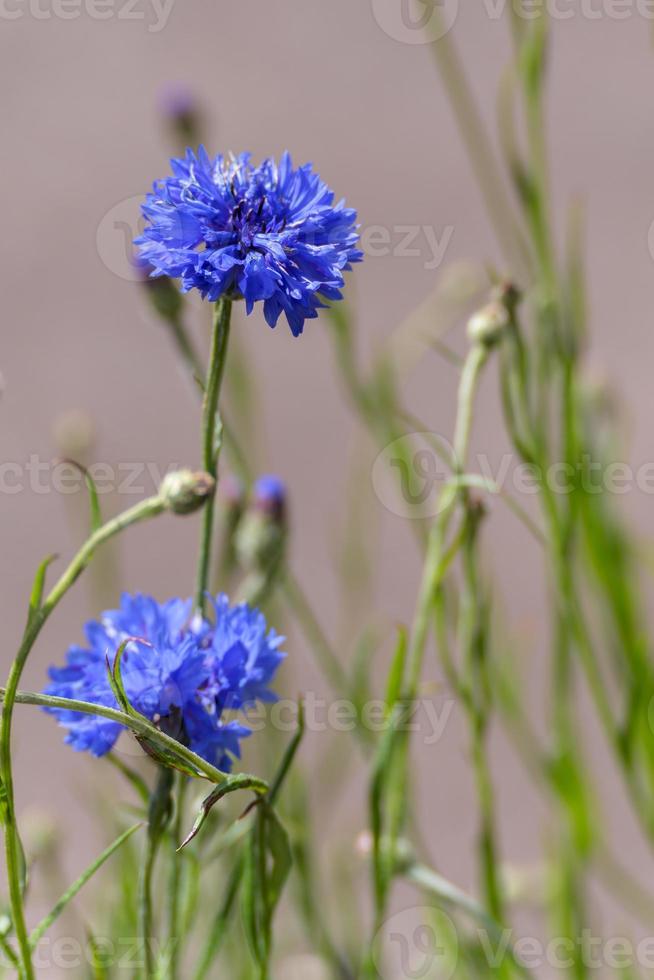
270,233
179,671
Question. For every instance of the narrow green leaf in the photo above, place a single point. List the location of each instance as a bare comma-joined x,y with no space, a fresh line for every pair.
36,596
396,673
289,756
266,867
77,885
279,848
94,501
116,677
99,970
231,785
9,952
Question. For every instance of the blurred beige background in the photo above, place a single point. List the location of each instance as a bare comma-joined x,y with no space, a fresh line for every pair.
81,134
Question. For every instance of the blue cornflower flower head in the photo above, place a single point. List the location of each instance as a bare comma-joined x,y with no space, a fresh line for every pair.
246,655
269,234
180,671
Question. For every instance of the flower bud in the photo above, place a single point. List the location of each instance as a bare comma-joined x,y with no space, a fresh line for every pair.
184,491
181,112
270,497
261,535
488,324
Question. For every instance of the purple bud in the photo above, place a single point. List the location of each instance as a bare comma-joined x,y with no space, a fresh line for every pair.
180,109
270,496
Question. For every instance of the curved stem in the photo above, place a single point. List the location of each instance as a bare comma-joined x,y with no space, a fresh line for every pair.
13,852
210,451
135,723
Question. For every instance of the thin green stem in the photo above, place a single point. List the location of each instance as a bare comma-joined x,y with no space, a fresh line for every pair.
210,448
432,571
158,817
135,723
145,905
13,851
477,702
174,932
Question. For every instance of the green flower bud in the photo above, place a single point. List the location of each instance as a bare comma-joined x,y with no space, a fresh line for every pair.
185,491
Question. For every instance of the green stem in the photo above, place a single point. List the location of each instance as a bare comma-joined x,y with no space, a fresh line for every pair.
210,451
174,932
158,818
135,723
145,905
475,361
477,701
13,852
437,561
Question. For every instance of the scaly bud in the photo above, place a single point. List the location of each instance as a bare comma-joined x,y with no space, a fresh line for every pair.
184,491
